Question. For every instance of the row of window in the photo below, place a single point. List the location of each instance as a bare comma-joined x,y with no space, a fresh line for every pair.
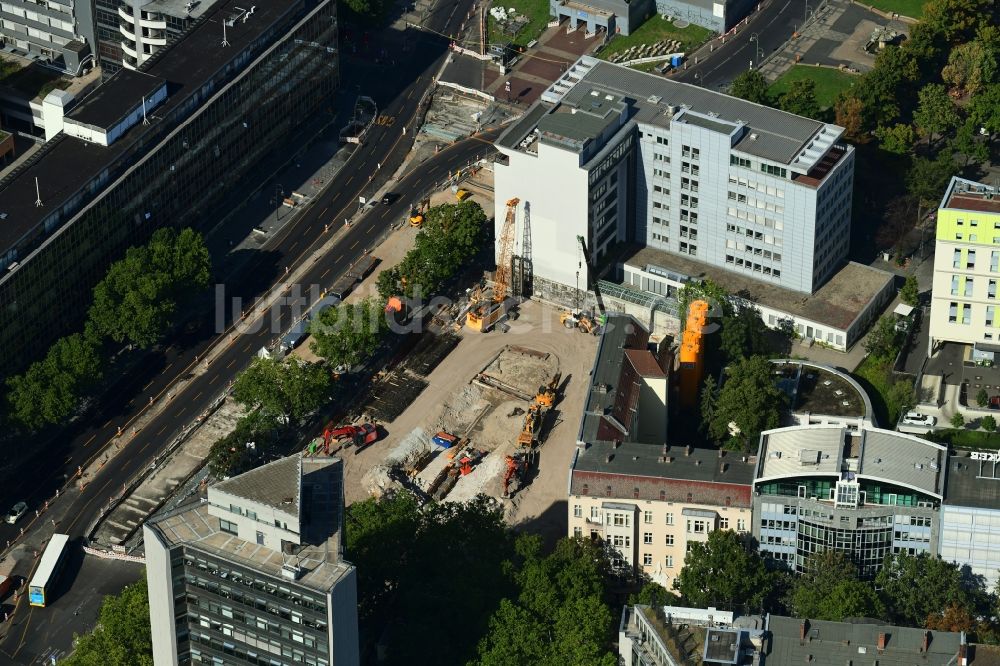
751,249
970,259
247,653
756,203
767,222
759,187
739,262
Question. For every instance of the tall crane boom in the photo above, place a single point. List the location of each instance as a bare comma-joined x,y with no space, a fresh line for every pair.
506,243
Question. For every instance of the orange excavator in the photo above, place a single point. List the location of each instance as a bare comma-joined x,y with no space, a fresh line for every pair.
515,476
361,435
529,439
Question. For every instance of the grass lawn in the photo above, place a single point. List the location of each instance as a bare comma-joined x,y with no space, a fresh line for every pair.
911,8
829,82
657,29
537,12
33,81
966,439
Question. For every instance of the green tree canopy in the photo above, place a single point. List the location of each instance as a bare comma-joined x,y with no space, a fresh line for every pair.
957,420
369,11
743,334
750,85
926,180
282,389
50,391
936,113
973,65
801,99
725,573
348,334
750,401
883,340
988,423
910,292
123,636
917,587
984,109
898,138
136,300
830,590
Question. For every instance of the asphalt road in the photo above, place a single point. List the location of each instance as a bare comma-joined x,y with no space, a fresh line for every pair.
397,86
768,29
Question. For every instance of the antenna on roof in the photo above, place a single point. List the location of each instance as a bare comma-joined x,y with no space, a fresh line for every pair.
145,120
38,193
225,42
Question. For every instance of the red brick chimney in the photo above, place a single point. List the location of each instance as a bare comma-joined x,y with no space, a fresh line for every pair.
881,642
927,642
803,629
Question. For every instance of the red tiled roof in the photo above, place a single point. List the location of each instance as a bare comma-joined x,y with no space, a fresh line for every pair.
644,363
624,486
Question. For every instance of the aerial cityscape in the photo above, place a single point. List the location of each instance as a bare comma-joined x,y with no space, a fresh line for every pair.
564,332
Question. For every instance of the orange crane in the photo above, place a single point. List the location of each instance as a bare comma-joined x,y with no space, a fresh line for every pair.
483,317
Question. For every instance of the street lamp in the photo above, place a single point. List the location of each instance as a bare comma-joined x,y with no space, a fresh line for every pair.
279,195
805,15
758,51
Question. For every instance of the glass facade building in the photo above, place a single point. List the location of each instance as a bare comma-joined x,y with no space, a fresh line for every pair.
226,109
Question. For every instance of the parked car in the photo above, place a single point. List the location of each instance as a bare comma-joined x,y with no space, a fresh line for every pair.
918,419
16,512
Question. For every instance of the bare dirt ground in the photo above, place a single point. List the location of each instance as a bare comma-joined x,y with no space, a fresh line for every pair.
450,402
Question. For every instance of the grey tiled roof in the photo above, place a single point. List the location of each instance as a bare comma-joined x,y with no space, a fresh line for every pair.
277,484
904,459
972,483
839,643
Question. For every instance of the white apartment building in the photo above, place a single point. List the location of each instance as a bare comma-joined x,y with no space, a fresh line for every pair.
615,155
966,267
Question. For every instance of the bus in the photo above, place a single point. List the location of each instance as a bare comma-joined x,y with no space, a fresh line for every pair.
48,570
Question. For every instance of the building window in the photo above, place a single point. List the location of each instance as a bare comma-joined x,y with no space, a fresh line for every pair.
228,527
990,313
970,259
953,313
595,514
670,519
621,540
968,286
724,523
669,562
622,520
647,538
741,525
670,539
260,538
739,161
954,285
647,517
774,170
577,511
647,559
956,259
696,526
577,532
235,509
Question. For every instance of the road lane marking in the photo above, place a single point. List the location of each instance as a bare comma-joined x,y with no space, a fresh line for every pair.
349,180
106,424
324,211
183,409
160,431
337,260
352,247
168,367
231,363
247,348
198,396
212,380
324,274
148,385
92,438
293,246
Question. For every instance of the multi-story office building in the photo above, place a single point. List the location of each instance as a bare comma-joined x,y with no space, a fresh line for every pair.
970,515
613,155
627,486
698,184
130,160
58,32
866,492
964,303
255,574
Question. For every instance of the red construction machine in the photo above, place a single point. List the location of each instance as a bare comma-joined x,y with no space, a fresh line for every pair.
361,435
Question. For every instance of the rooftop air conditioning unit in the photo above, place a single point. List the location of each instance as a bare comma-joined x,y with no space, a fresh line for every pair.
290,571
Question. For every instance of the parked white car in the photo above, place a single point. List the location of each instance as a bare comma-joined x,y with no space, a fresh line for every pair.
16,512
918,419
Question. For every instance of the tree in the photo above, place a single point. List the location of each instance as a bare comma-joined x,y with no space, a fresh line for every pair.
723,572
849,113
954,618
751,86
883,340
123,636
899,218
652,594
884,91
743,334
936,113
957,420
748,404
988,423
50,391
136,300
910,292
957,20
830,590
801,99
897,139
984,109
369,11
971,66
348,334
282,389
915,587
900,397
926,179
966,141
982,398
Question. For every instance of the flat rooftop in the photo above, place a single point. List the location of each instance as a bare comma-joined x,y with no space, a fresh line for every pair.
179,8
773,135
318,557
969,195
112,101
65,165
837,303
839,643
824,450
974,483
818,390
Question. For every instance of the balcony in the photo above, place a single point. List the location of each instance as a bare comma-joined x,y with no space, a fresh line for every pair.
155,21
125,12
155,38
126,30
129,50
